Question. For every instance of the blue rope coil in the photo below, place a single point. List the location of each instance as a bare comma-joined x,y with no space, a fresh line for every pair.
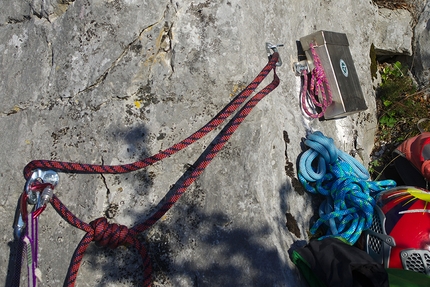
348,207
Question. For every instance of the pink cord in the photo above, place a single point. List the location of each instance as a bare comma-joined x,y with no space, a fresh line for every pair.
31,243
319,84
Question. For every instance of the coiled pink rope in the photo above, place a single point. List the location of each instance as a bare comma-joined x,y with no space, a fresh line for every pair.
318,86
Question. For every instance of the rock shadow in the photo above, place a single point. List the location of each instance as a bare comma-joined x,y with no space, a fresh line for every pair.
193,247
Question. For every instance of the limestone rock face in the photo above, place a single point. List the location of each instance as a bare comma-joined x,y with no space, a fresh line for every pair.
115,81
395,32
421,63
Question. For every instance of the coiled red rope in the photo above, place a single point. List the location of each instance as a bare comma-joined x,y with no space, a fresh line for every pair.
113,235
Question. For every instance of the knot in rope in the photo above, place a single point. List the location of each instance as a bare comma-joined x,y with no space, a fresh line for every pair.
348,207
104,234
109,235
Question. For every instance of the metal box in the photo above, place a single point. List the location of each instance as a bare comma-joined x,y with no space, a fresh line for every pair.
333,50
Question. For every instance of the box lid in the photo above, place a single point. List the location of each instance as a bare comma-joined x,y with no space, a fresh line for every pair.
324,37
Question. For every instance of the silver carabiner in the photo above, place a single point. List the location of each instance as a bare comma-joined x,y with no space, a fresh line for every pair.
271,48
36,198
300,67
42,176
20,217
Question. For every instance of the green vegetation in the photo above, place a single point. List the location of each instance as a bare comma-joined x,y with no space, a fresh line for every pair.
400,107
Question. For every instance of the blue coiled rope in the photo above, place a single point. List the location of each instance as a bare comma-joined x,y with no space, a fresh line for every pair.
348,207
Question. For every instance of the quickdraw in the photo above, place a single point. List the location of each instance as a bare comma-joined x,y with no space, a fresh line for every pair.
38,191
42,177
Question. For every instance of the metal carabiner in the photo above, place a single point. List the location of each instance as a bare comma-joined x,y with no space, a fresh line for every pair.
38,191
20,216
43,199
271,48
40,176
301,67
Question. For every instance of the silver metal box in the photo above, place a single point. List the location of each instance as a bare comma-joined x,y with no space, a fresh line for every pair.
333,50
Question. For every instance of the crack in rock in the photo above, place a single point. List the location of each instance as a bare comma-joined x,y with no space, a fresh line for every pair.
50,10
115,63
164,45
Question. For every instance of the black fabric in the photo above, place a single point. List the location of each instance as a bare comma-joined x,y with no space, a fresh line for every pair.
402,171
409,173
336,263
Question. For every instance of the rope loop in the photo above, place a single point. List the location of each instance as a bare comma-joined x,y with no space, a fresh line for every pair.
114,235
109,235
323,145
318,86
348,207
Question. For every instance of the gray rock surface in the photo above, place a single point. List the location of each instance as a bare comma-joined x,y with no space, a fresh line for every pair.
421,58
117,80
395,32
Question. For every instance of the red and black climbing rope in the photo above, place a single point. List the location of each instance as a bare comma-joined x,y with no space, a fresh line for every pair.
211,125
113,235
104,234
